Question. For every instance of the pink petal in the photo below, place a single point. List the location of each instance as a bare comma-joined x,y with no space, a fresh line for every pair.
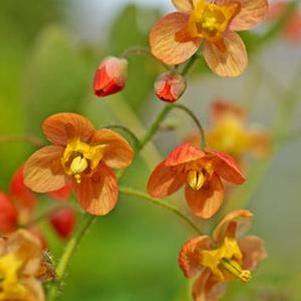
228,58
97,194
183,154
208,200
169,40
251,13
234,224
190,255
226,167
164,181
43,171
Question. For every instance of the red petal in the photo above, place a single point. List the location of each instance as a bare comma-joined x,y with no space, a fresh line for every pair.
234,224
97,194
208,200
43,171
184,153
8,215
63,127
226,167
169,41
190,255
164,181
62,194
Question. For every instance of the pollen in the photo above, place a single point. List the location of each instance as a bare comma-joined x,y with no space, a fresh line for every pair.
195,179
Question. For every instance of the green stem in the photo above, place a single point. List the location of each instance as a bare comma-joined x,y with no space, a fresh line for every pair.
67,255
160,203
189,65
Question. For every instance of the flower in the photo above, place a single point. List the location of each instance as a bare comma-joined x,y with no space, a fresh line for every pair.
110,76
229,132
222,259
170,87
81,156
20,258
201,172
178,35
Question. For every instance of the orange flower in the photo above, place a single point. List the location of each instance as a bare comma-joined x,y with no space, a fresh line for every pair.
229,132
170,87
231,257
20,259
178,35
201,172
82,156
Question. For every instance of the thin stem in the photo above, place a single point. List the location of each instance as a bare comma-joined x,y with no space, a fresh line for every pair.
67,255
133,137
22,138
160,203
189,65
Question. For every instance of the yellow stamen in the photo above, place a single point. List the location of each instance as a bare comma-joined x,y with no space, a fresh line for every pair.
195,179
234,268
79,164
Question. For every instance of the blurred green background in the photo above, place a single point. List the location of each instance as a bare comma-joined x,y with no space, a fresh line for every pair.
48,55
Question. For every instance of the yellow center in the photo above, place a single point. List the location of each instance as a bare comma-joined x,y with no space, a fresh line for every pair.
225,261
10,288
229,136
198,173
209,21
80,157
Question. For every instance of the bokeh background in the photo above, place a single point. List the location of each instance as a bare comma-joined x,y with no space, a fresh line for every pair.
49,52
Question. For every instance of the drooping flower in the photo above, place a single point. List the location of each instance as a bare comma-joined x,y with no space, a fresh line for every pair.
201,172
170,87
178,35
110,76
20,258
230,133
222,259
81,156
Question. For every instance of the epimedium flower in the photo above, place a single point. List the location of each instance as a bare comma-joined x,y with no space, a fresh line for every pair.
110,76
230,132
224,257
213,23
82,156
201,172
20,259
170,87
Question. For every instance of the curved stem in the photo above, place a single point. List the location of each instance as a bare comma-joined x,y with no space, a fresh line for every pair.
189,65
133,137
67,255
22,138
161,203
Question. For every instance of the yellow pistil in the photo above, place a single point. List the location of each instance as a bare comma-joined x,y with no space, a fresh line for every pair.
195,179
80,157
209,21
10,287
226,260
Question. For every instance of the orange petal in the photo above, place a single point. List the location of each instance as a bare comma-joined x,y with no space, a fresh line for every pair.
183,154
62,127
207,287
190,255
251,13
97,194
253,251
228,59
234,224
34,289
226,167
118,153
221,109
164,181
185,6
43,171
170,42
27,248
206,201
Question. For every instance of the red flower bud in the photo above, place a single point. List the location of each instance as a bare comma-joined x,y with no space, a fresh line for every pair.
170,87
63,222
8,215
110,76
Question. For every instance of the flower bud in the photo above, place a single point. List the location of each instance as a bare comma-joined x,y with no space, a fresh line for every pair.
63,222
110,76
8,215
170,86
